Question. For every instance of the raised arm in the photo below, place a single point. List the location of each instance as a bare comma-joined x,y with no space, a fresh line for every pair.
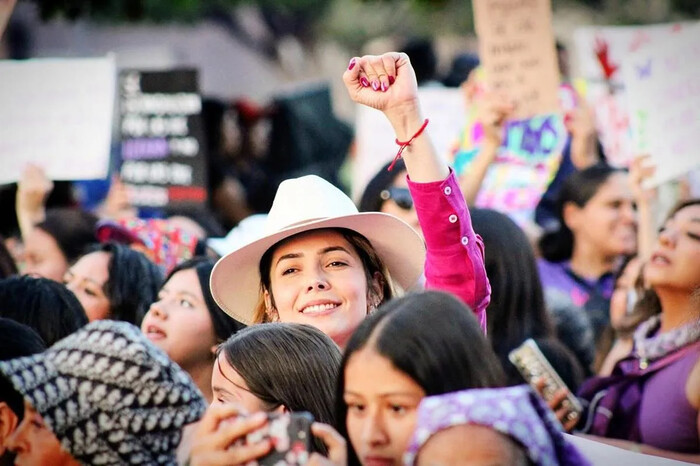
494,108
32,190
387,83
454,258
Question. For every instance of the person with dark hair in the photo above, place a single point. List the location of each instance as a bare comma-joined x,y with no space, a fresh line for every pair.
421,52
652,397
517,310
186,323
462,65
103,395
114,282
415,346
275,368
597,226
46,306
16,341
53,244
388,192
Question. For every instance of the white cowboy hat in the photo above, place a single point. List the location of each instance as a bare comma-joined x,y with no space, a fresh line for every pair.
310,203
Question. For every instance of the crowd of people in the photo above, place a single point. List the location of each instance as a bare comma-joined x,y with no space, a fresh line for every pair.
135,341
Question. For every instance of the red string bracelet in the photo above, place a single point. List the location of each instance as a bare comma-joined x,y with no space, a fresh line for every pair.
403,145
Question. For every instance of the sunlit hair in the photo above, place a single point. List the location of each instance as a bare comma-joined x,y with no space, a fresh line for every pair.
371,263
285,364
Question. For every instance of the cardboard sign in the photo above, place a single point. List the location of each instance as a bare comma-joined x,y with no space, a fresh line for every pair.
162,147
663,95
375,137
600,52
517,51
56,113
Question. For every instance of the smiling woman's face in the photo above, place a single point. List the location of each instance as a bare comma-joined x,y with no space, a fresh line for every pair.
317,278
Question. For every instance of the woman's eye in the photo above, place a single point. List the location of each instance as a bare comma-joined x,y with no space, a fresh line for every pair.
90,292
356,407
337,264
397,409
694,236
37,424
186,303
289,271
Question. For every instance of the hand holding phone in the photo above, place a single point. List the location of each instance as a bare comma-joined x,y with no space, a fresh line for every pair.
540,374
290,436
220,437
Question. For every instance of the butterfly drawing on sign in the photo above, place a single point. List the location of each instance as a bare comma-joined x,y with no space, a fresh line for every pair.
644,70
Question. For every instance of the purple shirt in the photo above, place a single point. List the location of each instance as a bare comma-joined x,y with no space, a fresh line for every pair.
558,277
455,254
667,420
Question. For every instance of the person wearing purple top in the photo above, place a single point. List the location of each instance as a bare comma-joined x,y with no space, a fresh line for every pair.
597,226
651,402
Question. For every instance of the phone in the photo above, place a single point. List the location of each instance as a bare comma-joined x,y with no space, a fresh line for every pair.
533,365
291,439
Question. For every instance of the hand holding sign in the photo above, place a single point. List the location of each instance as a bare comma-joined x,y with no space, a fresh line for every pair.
6,7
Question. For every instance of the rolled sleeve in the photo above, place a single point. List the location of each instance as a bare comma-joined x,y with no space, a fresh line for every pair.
455,253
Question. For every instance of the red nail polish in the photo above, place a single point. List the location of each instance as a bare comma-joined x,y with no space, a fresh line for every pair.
391,80
352,64
375,85
384,87
364,82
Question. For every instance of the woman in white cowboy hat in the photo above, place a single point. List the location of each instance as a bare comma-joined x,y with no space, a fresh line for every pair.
322,263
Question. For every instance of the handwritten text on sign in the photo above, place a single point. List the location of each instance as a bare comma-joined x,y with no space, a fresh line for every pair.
516,45
161,132
663,90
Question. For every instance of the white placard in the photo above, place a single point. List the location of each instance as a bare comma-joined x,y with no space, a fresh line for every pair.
444,107
56,113
611,44
662,85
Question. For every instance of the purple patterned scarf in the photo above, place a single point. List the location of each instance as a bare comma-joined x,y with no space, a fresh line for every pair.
517,412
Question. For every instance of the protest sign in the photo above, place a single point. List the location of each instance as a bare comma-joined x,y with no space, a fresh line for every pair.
527,159
162,148
56,113
375,137
517,51
662,84
600,52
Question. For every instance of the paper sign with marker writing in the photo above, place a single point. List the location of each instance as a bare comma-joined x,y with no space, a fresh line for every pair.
56,113
600,52
516,46
663,94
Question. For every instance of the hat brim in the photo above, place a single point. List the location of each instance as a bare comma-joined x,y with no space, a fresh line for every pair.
235,279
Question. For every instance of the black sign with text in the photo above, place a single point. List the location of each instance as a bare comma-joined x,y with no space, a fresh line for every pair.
162,146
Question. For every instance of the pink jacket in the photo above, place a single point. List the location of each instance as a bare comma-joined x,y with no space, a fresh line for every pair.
455,254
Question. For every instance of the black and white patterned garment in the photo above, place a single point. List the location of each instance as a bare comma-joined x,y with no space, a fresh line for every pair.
109,395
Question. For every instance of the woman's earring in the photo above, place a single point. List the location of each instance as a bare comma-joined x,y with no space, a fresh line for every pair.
272,315
373,304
